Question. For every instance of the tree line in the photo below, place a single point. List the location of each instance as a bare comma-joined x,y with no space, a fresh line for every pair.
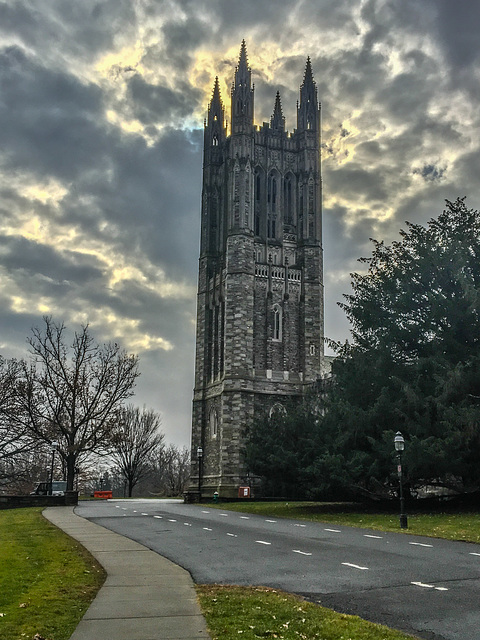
412,365
66,402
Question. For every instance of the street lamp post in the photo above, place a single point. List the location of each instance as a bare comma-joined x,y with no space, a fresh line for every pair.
54,446
399,447
199,458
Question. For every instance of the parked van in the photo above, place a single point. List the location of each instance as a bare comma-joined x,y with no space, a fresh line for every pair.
43,488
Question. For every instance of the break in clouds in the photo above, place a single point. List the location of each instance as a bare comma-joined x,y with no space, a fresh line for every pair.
101,115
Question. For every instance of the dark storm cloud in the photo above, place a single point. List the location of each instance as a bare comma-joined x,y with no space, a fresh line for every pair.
53,125
71,28
156,104
164,315
355,181
19,253
147,200
49,121
458,27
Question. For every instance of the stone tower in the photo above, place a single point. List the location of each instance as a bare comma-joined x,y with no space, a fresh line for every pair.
260,282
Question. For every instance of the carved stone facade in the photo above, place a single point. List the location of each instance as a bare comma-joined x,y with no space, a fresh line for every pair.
260,284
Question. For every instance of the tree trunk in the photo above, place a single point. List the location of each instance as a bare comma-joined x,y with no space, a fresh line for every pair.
71,460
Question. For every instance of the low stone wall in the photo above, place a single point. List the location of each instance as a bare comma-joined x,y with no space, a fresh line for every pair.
15,502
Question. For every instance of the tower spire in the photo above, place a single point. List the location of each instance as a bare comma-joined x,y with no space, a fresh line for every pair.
215,123
308,75
242,93
243,61
307,112
277,121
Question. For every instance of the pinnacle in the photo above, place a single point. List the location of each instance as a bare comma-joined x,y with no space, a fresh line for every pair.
277,120
308,75
216,91
278,104
242,61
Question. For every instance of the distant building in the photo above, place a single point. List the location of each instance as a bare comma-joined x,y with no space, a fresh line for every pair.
260,284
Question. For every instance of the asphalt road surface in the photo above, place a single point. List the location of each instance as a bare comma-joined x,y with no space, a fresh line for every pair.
424,586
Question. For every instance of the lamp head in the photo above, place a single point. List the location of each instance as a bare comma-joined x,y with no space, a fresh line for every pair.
199,452
399,442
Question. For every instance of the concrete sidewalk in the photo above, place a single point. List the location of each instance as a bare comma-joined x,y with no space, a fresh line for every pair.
145,596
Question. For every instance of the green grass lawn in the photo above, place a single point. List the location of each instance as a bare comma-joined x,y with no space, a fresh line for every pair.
448,525
47,580
258,612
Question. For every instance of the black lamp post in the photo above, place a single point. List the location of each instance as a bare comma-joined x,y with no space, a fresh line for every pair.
399,447
199,458
54,446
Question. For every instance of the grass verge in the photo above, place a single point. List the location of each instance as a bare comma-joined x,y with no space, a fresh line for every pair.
449,525
259,612
47,580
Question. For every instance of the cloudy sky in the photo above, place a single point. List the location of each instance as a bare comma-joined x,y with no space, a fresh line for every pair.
101,113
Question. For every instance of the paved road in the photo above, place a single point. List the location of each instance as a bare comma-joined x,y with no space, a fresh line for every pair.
423,586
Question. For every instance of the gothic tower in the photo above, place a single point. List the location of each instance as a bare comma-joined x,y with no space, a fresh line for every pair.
260,283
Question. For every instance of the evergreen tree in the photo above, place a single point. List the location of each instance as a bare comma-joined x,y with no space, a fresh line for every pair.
413,363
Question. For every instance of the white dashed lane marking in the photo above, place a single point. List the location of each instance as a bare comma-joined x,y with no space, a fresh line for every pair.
206,529
270,521
429,586
172,520
366,535
160,517
187,524
420,544
303,553
355,566
225,515
144,514
205,511
334,530
262,542
299,525
232,535
474,554
244,518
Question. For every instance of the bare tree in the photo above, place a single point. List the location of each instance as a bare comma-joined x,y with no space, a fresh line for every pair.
71,395
137,440
14,440
172,470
